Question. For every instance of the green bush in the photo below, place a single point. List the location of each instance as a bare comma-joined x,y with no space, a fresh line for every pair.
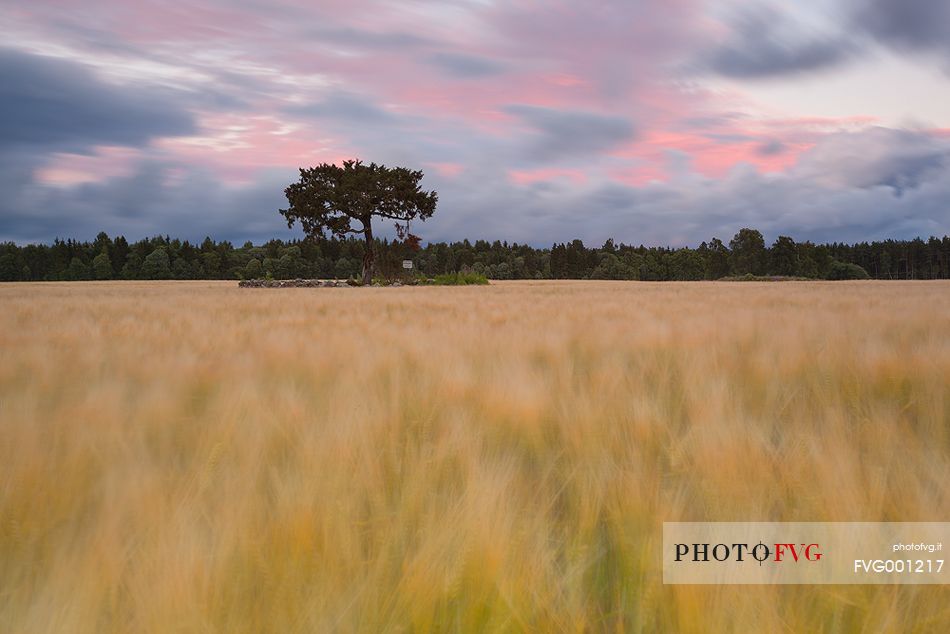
459,279
846,271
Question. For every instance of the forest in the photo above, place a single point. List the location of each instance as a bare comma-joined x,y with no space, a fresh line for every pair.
745,256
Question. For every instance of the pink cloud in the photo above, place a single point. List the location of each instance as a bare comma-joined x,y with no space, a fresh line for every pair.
450,170
237,147
66,169
256,77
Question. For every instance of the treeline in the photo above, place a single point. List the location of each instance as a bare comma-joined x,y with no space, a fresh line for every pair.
746,254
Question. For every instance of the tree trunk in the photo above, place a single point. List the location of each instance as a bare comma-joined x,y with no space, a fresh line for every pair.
368,253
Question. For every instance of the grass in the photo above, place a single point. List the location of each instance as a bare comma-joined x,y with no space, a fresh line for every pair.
459,279
194,457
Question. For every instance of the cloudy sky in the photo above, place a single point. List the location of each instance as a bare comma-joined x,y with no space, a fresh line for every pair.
649,121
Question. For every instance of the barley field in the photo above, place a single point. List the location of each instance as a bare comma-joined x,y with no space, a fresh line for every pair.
194,457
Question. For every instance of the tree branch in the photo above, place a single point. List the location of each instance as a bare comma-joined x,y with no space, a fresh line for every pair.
392,217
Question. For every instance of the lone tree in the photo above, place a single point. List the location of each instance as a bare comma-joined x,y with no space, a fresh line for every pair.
330,198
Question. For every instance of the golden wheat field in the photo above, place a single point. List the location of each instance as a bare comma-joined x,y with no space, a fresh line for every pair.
194,457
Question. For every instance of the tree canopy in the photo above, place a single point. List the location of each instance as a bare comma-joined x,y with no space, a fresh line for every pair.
330,198
171,258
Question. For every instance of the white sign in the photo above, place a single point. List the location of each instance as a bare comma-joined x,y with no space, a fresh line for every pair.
407,264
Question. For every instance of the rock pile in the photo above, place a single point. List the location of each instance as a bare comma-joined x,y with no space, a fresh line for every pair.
298,283
292,283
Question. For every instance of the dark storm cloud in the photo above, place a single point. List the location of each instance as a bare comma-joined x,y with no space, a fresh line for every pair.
49,104
561,134
764,44
465,66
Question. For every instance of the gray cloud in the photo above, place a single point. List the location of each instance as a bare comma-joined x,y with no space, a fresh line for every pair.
51,105
910,24
148,202
896,159
465,66
843,189
674,214
348,37
764,43
347,107
565,134
770,147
